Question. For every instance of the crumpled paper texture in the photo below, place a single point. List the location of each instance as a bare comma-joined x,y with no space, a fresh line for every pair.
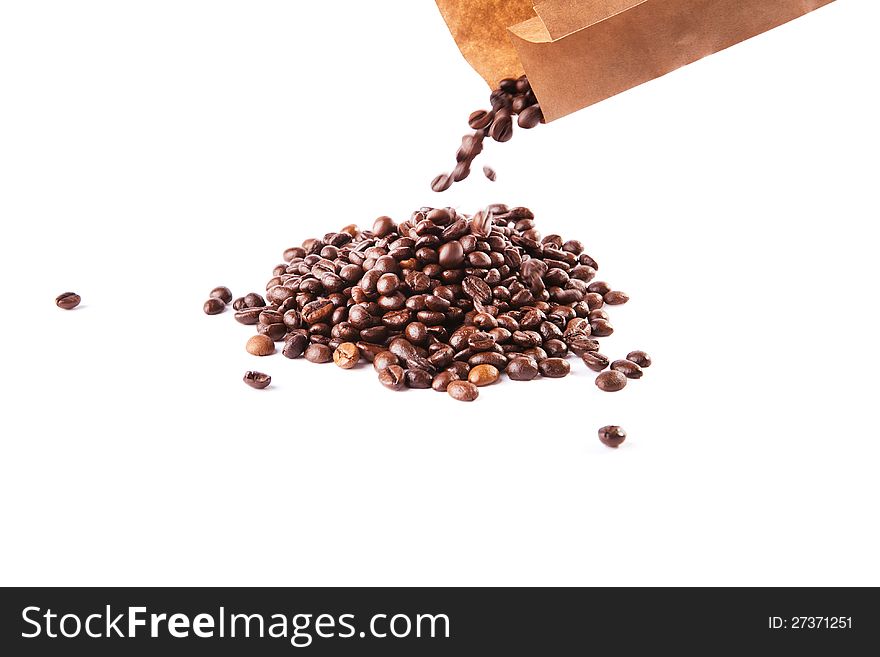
578,52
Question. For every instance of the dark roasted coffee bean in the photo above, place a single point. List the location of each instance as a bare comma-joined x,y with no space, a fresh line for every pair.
480,119
611,381
70,300
640,358
460,369
318,353
462,391
601,328
489,172
383,226
369,350
612,435
393,377
418,378
521,369
530,117
442,380
441,183
318,311
451,255
222,293
213,306
294,345
383,359
502,126
239,304
274,332
260,345
346,355
628,368
594,360
254,300
599,287
248,316
488,358
554,368
257,380
416,332
555,348
615,298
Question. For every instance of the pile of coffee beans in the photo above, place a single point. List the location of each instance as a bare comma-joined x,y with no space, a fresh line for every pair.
512,98
442,300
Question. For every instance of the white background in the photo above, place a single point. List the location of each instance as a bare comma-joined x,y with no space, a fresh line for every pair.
152,150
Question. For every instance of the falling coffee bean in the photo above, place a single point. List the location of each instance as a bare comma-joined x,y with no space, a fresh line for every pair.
257,380
612,435
68,300
489,172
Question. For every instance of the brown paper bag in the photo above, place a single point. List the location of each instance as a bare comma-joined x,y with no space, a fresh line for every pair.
578,52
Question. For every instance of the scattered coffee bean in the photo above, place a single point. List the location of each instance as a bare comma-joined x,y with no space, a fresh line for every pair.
640,358
554,368
318,353
346,355
628,368
612,435
484,375
257,380
611,381
462,391
68,300
393,377
595,361
615,298
489,172
222,293
214,306
522,369
260,345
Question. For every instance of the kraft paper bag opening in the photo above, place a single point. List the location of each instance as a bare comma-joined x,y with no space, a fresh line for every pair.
578,52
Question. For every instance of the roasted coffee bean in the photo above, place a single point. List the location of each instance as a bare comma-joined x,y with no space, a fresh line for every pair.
451,255
416,332
222,293
599,287
522,369
418,378
248,316
594,360
640,358
502,127
484,375
488,358
615,298
480,119
383,226
316,312
442,380
554,368
213,306
441,183
628,368
612,435
393,377
257,380
460,369
387,284
462,391
383,359
611,381
70,300
369,351
274,332
254,300
260,345
239,304
530,117
489,172
346,355
601,328
318,353
295,345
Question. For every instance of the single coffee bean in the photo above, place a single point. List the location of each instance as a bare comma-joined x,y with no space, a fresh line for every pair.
483,375
295,345
502,127
640,358
317,311
384,359
222,293
393,377
346,355
441,183
249,316
612,435
601,328
594,360
260,345
383,226
489,172
628,368
530,117
214,306
554,368
418,378
462,391
611,381
318,353
460,369
254,300
480,119
70,300
257,380
451,255
442,380
522,369
239,304
615,298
